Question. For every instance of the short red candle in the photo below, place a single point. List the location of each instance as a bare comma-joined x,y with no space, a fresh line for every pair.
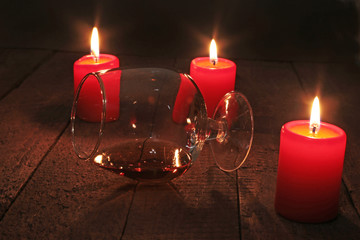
213,80
89,106
309,171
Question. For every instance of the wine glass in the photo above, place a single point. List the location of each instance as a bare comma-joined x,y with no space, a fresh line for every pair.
153,125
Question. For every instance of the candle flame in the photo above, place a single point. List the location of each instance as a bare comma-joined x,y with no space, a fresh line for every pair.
213,52
315,116
95,44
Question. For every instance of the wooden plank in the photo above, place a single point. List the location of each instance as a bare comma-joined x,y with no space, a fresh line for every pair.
33,116
16,65
201,204
338,88
68,198
269,87
277,97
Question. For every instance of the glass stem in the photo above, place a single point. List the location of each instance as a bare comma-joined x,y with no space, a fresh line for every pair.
217,129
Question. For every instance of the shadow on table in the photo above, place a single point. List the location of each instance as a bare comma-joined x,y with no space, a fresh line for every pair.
106,219
160,212
259,219
163,211
51,114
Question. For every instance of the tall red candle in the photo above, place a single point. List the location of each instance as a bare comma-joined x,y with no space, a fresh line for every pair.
89,105
214,76
309,171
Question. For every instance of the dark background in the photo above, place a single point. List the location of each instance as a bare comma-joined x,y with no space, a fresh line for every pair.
309,30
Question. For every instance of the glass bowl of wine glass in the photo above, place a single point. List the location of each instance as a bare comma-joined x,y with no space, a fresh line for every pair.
150,124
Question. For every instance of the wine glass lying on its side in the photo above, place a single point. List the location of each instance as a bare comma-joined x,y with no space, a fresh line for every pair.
153,125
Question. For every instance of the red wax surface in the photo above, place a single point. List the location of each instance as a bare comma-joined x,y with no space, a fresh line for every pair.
183,100
214,81
89,106
309,172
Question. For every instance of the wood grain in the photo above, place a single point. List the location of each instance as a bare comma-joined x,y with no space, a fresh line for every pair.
33,117
68,198
16,65
46,192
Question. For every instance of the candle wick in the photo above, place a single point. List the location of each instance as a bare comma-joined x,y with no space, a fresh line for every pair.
214,62
314,129
96,59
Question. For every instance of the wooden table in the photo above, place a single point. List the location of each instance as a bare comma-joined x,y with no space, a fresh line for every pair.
47,193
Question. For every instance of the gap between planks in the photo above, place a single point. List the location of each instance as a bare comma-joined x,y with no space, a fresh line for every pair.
35,169
350,198
128,213
238,192
18,83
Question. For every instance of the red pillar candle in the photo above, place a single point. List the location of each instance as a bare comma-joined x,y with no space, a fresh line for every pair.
214,76
309,171
89,106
